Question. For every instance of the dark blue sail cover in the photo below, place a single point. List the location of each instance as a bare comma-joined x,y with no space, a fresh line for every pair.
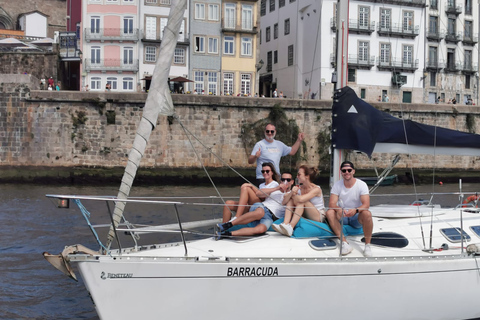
357,125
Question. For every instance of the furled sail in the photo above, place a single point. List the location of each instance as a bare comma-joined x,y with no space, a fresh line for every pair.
158,102
359,126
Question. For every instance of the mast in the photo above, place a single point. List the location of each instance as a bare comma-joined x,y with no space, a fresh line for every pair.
342,74
158,102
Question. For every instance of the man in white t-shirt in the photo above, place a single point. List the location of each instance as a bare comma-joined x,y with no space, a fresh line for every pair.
354,199
271,150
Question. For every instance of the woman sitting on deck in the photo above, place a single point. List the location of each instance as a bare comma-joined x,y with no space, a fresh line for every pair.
307,198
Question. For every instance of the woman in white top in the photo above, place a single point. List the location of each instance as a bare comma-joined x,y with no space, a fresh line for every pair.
305,199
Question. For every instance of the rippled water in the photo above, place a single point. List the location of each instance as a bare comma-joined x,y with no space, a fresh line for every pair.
31,224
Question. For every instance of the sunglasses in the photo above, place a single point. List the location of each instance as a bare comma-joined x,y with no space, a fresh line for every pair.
347,170
265,171
270,131
286,179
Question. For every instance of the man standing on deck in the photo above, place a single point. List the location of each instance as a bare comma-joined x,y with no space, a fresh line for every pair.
271,150
353,209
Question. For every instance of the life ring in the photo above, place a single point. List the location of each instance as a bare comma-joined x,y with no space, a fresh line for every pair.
472,198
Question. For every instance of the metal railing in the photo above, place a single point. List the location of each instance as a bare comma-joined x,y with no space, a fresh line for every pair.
435,64
398,64
453,37
111,65
398,29
119,34
355,60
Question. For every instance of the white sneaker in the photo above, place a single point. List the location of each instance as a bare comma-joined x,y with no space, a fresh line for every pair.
287,229
346,249
277,228
231,220
368,251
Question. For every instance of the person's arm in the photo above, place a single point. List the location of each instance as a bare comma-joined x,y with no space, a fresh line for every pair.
315,192
332,203
297,143
254,157
265,192
289,195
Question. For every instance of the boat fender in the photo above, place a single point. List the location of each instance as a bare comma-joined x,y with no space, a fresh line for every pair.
472,198
473,248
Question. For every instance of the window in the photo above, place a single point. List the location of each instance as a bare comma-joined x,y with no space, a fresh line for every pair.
229,16
199,81
363,93
213,12
363,17
407,55
212,45
468,60
287,26
281,3
434,4
407,97
432,57
200,11
228,45
269,61
128,55
290,55
455,234
179,56
228,83
95,83
246,84
128,25
433,25
246,46
150,54
385,53
212,83
468,30
95,25
112,81
363,51
450,59
247,17
95,55
468,6
275,56
275,31
451,27
351,76
433,79
272,5
385,19
267,34
263,8
408,21
150,1
200,44
467,81
151,28
128,83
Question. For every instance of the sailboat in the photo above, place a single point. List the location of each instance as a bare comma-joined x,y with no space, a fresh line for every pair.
410,276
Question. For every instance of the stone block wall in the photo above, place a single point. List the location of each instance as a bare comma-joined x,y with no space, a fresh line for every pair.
68,129
38,65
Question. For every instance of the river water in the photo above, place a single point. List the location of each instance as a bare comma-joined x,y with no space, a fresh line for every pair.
32,289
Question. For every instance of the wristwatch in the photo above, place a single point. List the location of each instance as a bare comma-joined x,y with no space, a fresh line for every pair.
357,210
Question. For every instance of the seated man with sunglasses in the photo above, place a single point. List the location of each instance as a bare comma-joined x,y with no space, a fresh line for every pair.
271,150
262,214
350,201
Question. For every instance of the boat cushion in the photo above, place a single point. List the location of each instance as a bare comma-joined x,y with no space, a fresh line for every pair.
306,228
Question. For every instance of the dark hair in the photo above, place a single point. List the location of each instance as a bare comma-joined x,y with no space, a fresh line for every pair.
311,172
272,167
348,164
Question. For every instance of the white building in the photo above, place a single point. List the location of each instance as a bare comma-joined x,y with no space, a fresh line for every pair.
34,24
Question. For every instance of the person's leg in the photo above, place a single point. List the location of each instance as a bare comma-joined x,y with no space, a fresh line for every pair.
289,209
259,229
365,219
250,216
333,217
247,197
299,210
230,206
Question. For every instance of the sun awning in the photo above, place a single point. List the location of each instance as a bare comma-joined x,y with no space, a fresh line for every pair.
180,79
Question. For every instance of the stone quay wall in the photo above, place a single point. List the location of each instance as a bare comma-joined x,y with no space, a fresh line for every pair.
70,129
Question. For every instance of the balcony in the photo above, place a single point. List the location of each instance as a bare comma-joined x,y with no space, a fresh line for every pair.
453,37
182,39
118,65
357,62
361,28
453,67
398,65
434,65
453,9
469,68
231,25
408,3
397,30
470,40
111,34
435,35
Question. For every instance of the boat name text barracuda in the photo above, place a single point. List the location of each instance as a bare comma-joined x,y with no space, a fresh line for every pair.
252,272
115,275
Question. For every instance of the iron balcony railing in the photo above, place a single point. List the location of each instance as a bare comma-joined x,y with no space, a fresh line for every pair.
453,9
435,34
453,66
111,65
469,67
470,39
118,34
435,64
355,26
238,25
399,64
453,37
397,29
355,60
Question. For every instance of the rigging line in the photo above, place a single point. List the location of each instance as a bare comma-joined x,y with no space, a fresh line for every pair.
433,175
315,49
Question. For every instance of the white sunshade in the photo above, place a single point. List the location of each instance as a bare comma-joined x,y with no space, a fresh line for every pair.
43,42
12,42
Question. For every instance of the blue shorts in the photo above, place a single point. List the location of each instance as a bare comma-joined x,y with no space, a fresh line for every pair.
352,221
267,219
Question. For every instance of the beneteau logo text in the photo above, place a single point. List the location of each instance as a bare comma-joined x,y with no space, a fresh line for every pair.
252,272
115,275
